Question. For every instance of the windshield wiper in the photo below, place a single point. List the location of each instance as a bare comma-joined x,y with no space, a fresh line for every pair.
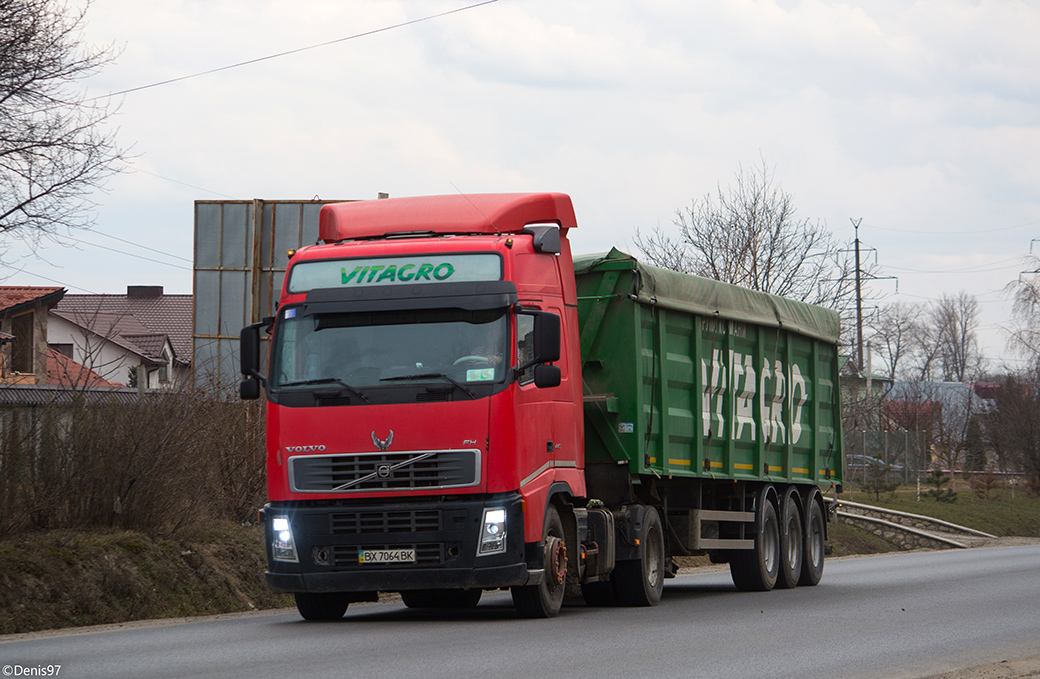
423,376
326,380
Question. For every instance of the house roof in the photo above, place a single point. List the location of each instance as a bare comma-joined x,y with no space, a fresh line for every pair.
139,323
41,394
12,297
63,371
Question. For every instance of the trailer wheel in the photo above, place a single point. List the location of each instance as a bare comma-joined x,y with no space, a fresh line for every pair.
812,564
639,582
544,600
792,543
441,598
755,570
322,606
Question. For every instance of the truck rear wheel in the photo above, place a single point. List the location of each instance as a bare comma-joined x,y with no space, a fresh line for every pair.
441,598
812,564
639,582
792,542
755,570
545,599
322,605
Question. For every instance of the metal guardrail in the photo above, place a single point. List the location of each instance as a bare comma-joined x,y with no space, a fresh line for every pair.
908,530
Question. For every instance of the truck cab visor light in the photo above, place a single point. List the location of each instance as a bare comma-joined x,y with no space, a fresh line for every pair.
283,548
493,533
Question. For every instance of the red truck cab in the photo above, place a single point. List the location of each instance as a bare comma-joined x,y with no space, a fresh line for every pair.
424,404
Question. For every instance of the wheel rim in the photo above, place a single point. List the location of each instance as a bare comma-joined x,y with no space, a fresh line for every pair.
556,553
816,543
794,546
653,558
770,546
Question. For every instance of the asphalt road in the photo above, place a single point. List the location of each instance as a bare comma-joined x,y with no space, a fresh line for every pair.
900,615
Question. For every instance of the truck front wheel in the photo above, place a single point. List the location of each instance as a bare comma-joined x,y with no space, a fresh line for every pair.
322,606
545,599
639,582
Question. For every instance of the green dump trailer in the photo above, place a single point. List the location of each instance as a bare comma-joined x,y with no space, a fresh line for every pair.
718,407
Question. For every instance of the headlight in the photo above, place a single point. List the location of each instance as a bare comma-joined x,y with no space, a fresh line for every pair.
493,534
282,546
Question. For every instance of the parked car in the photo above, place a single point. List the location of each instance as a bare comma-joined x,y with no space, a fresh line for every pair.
865,461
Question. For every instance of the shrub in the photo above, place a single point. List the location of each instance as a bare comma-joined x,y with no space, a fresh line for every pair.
157,465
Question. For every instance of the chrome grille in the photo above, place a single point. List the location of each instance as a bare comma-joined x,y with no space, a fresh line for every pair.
384,471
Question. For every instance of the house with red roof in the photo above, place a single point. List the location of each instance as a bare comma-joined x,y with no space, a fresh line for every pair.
23,332
26,358
124,338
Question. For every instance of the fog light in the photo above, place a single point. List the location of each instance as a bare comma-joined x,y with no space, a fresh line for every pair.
283,548
493,533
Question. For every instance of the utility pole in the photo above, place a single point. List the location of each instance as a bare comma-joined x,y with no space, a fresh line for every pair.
859,303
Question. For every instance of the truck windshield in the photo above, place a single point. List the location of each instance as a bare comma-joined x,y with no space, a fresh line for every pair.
363,350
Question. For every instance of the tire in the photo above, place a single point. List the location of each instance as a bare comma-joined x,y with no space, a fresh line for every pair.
756,570
545,599
599,594
322,606
792,542
441,598
639,582
815,534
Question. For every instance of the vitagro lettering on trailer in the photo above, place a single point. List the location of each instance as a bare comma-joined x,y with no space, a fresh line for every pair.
774,386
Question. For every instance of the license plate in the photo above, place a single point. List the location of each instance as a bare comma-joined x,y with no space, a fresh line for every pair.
386,556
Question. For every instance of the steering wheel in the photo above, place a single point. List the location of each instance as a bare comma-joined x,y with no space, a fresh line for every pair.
473,358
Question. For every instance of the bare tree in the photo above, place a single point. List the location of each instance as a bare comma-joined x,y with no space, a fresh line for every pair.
55,146
954,321
1024,335
897,335
749,235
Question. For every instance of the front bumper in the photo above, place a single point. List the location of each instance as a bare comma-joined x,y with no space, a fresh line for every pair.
444,533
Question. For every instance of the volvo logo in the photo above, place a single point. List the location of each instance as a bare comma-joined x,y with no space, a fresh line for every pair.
383,444
305,449
383,471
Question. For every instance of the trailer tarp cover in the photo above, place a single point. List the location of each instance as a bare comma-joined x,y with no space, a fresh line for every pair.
707,297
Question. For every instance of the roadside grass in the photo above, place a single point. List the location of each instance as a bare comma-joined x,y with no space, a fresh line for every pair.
67,578
845,540
998,513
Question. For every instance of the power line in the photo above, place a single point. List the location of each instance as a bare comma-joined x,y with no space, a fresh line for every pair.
970,269
129,242
190,186
293,51
64,285
955,233
130,254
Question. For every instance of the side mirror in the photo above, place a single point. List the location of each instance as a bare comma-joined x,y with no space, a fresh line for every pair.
546,337
249,359
249,389
249,350
547,376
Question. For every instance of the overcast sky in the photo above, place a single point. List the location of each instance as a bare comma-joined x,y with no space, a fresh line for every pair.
920,118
